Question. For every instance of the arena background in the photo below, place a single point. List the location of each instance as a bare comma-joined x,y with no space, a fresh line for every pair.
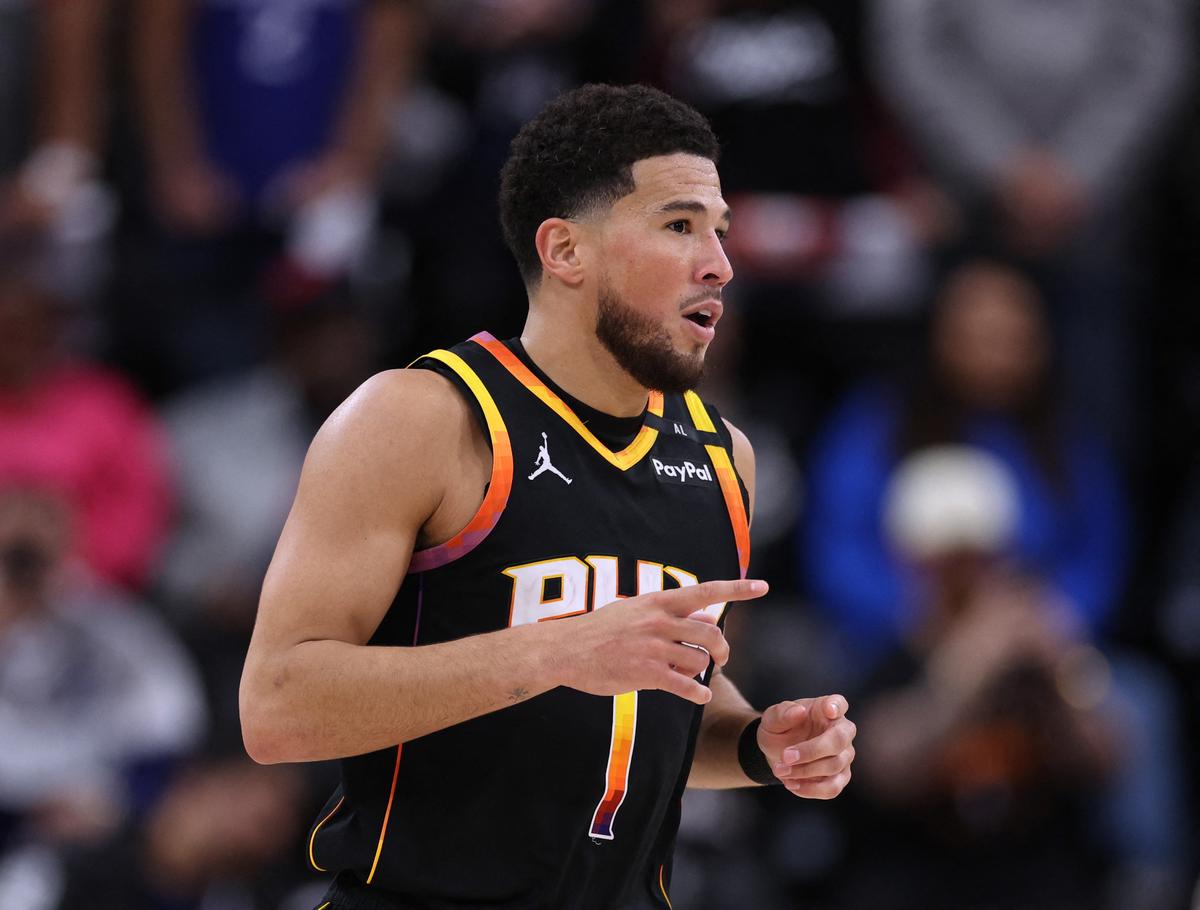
217,217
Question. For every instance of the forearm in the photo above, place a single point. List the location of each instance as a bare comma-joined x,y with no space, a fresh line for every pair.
948,101
329,699
163,88
389,41
716,766
72,72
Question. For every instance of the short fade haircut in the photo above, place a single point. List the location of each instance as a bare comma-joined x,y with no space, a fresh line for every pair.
578,154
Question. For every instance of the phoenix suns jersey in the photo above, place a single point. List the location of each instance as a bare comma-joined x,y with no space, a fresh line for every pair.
566,800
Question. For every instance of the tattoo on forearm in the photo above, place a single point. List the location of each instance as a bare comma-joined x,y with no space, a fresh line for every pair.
520,693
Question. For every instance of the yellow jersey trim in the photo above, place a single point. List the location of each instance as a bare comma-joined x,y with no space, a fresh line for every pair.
626,458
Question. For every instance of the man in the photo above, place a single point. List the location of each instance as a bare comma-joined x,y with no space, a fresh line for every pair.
547,667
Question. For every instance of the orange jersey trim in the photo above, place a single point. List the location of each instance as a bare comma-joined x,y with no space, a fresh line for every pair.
626,458
624,735
496,499
663,888
727,478
387,814
313,837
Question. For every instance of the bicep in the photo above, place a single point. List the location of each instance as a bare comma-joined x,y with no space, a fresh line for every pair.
330,579
370,481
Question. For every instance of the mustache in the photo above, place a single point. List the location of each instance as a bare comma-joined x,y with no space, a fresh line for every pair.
702,297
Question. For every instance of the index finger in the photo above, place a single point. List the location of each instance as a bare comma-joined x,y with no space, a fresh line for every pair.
684,601
829,743
833,707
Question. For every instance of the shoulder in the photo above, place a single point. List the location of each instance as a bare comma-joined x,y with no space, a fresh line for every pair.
400,434
397,406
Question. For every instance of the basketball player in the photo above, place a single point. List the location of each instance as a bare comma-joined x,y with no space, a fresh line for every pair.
498,597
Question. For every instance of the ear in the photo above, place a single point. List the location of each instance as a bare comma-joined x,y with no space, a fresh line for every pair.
557,243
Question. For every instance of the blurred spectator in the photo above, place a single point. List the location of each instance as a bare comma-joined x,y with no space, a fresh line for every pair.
990,731
1058,531
1049,112
488,67
95,693
832,221
985,381
79,428
53,113
265,125
238,445
252,110
223,835
832,198
1041,119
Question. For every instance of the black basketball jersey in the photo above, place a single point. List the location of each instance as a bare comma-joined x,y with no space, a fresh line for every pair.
567,800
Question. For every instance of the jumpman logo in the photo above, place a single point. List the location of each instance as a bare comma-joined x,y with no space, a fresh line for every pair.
543,462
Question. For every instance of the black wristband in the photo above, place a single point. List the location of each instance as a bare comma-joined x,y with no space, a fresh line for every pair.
754,764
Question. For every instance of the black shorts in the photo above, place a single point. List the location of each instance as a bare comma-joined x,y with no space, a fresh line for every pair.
348,893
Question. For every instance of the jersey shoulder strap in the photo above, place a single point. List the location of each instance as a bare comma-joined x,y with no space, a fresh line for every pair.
453,365
718,442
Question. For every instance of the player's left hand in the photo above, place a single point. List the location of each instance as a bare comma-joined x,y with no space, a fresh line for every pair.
809,743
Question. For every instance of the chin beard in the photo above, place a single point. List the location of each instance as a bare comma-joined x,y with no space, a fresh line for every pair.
643,348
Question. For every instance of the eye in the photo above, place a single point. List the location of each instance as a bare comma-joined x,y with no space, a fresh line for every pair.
721,235
679,227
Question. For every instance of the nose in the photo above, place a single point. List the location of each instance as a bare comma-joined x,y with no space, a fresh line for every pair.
714,268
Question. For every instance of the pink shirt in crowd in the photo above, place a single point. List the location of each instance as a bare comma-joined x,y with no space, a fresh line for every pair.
84,433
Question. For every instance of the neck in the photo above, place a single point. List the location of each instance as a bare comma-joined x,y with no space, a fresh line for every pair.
562,342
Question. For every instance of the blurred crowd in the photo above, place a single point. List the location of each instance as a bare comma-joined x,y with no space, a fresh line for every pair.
962,337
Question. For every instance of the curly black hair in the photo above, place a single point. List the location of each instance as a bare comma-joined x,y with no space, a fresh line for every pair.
578,153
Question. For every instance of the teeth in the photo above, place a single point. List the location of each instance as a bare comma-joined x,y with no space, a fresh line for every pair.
706,314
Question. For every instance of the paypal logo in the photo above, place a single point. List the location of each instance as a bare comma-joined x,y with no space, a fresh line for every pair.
683,473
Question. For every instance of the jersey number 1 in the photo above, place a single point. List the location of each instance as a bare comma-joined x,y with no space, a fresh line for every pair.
556,588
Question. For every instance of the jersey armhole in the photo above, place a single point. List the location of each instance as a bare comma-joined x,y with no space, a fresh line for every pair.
471,387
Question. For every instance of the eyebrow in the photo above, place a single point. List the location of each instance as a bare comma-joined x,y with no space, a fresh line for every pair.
682,205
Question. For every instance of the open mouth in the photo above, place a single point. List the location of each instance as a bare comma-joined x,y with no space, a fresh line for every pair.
701,318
